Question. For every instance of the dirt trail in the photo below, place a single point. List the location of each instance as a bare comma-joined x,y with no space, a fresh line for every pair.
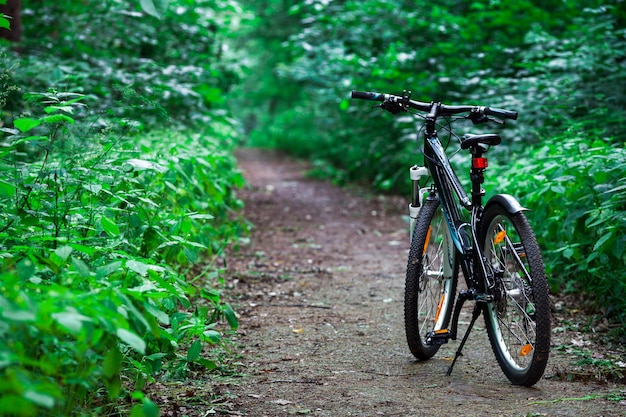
319,292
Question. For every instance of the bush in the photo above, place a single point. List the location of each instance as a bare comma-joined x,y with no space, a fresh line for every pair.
574,184
98,239
109,240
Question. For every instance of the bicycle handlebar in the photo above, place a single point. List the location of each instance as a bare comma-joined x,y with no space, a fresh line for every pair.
442,109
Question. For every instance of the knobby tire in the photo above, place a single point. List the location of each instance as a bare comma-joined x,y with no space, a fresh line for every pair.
429,295
518,320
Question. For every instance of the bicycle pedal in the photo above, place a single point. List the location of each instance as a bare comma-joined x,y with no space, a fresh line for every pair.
438,337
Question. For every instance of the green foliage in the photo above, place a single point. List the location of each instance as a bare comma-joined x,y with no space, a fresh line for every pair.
575,188
96,238
440,51
117,200
570,75
165,60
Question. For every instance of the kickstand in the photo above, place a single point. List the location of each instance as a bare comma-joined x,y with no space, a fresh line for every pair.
475,314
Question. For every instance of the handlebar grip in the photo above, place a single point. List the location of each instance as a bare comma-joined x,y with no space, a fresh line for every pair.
366,95
507,114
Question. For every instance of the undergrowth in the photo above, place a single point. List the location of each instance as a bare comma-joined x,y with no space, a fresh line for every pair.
99,234
574,185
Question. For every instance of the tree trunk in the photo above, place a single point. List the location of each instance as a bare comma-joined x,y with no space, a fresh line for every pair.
13,10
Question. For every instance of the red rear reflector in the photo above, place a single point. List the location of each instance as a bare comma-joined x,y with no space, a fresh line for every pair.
479,163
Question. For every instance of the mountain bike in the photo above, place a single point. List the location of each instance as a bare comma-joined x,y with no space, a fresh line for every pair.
492,245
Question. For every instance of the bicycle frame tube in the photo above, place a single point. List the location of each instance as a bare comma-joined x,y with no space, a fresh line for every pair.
448,183
446,180
448,188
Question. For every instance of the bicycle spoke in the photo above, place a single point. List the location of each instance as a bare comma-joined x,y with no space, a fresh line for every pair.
514,307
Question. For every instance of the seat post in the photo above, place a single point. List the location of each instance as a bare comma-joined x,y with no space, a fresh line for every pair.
477,173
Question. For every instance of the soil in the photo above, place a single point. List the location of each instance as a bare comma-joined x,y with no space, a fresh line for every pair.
319,292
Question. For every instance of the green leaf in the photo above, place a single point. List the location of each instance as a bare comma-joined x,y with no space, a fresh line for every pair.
558,189
64,252
71,320
600,243
150,240
52,109
7,190
108,269
109,226
83,249
132,340
81,267
9,401
25,269
18,315
194,351
94,188
58,118
138,267
154,8
149,408
43,400
137,411
25,124
142,165
568,253
231,317
620,188
161,316
146,287
112,363
212,336
149,7
210,294
5,23
113,386
200,216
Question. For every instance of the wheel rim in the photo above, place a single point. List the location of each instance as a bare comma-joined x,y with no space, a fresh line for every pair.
513,310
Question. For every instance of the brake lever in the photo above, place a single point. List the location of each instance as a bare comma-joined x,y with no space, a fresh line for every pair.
392,107
477,119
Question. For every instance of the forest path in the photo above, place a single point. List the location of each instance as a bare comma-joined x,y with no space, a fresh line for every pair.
320,295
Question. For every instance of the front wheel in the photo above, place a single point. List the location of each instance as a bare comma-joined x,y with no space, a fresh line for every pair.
430,280
518,319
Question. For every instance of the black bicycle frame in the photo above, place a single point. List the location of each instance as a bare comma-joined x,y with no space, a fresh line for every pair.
448,186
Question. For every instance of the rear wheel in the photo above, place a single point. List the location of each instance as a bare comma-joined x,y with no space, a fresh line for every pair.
430,280
518,320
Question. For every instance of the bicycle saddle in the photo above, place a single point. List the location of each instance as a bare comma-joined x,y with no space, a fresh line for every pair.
491,139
